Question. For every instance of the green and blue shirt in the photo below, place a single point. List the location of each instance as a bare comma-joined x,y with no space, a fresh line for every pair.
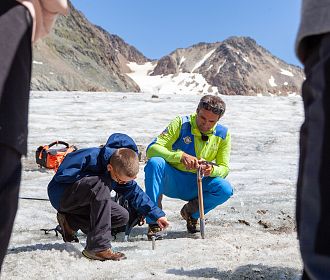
182,135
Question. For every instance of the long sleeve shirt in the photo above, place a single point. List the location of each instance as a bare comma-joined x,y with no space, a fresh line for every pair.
216,149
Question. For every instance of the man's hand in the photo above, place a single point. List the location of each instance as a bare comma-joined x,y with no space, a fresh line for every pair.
206,168
163,223
190,162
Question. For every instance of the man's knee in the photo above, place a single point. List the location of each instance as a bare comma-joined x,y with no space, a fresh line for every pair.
224,188
227,189
154,164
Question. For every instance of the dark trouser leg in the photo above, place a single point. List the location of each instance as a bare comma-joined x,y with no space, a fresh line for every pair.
88,206
313,187
10,170
15,75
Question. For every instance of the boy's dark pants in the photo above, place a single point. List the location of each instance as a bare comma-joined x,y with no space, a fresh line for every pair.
88,206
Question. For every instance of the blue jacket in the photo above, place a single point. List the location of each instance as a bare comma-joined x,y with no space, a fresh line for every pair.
93,162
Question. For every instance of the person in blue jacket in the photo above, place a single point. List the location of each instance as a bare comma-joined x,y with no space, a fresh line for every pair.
80,192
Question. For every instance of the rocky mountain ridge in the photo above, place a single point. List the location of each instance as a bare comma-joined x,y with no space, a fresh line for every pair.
236,66
79,55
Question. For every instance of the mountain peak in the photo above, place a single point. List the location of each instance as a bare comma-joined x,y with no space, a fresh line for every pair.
235,66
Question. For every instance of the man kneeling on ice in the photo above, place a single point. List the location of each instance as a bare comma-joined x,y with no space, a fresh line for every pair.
80,192
187,144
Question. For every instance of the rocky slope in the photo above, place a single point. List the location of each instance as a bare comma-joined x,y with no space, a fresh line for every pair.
236,66
81,56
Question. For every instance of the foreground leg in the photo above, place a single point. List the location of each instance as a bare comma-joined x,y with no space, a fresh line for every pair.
10,170
15,75
313,191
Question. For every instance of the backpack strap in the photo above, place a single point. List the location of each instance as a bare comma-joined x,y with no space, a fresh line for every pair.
58,143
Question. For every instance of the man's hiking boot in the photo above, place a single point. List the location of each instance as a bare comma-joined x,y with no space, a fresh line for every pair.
154,230
106,255
192,224
68,234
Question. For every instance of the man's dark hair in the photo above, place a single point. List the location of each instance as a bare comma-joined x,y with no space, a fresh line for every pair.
125,161
212,103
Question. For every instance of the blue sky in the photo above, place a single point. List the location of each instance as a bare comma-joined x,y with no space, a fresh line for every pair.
157,27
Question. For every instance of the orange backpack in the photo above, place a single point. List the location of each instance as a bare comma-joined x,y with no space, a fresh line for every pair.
52,158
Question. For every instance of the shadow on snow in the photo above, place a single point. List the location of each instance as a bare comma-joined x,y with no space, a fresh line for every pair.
246,272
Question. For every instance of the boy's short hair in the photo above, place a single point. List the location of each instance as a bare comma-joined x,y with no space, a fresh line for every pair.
125,161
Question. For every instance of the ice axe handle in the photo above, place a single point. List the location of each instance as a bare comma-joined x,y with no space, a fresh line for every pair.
200,201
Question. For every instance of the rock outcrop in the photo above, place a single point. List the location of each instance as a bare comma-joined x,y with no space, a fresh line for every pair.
78,55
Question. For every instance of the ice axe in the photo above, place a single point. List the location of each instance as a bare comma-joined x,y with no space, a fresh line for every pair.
200,196
200,201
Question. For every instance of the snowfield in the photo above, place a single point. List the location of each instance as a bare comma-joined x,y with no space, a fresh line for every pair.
251,236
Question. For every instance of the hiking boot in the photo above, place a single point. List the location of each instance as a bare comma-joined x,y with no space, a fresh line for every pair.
106,255
192,224
154,230
68,233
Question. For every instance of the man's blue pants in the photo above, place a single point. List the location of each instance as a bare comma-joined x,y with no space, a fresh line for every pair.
162,178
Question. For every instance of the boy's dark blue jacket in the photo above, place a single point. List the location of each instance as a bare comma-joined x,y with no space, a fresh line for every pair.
93,162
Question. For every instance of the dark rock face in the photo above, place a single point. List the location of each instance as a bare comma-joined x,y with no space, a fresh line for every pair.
166,66
81,56
236,66
130,53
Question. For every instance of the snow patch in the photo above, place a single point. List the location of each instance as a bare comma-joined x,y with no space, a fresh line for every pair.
220,66
286,72
200,63
272,82
182,60
293,94
160,84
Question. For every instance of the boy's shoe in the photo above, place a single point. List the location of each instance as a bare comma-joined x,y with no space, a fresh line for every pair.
106,255
192,224
154,230
68,233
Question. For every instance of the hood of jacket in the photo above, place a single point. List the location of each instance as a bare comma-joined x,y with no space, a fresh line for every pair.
114,142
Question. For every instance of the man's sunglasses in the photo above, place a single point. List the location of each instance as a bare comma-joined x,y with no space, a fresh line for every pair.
208,107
